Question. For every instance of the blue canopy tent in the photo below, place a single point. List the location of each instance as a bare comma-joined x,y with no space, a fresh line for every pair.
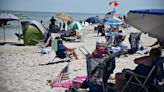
150,21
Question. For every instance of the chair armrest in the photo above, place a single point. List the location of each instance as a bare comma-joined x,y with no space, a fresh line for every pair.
134,74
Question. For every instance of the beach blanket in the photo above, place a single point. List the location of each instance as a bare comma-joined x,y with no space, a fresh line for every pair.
75,83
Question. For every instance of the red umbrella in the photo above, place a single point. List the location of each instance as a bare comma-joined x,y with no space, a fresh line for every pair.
114,3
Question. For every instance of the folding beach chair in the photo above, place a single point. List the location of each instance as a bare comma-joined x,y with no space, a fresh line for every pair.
58,47
44,44
98,70
144,82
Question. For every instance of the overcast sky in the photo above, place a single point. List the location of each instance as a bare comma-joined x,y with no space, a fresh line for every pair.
79,6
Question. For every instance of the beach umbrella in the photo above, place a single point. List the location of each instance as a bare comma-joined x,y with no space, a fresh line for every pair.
8,17
149,21
112,21
75,25
93,20
64,17
114,3
4,18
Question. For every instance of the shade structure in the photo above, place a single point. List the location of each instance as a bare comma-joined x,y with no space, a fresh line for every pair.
93,20
150,21
75,25
64,17
8,16
112,21
4,18
33,32
114,3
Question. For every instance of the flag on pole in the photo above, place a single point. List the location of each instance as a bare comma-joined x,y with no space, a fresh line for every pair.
64,75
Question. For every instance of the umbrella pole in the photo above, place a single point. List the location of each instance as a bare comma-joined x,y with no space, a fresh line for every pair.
4,33
19,31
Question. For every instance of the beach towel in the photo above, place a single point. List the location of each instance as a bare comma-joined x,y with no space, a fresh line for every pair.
64,84
75,83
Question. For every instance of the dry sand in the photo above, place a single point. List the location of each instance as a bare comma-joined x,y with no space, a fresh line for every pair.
20,70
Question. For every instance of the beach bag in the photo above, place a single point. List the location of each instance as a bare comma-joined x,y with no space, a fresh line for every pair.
98,53
44,50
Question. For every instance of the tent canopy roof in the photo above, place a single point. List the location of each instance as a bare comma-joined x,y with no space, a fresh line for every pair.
149,11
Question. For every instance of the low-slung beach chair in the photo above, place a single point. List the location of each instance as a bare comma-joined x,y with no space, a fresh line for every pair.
141,80
58,47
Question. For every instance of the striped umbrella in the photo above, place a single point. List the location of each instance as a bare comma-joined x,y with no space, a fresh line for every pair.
64,17
114,3
75,25
112,21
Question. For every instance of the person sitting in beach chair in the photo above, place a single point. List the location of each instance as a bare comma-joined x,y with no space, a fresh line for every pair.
71,35
145,64
61,50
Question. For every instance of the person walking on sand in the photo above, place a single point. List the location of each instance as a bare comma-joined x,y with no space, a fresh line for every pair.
52,26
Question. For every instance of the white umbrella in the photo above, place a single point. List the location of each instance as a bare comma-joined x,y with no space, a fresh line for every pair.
149,21
4,18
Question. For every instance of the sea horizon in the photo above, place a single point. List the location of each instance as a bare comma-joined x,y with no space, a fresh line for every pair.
14,26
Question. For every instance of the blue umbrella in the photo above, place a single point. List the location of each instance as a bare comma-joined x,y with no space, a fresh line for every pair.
111,21
93,20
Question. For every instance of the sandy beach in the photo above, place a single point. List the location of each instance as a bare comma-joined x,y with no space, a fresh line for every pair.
20,70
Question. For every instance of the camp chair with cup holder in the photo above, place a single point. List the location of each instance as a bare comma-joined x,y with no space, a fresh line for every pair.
141,83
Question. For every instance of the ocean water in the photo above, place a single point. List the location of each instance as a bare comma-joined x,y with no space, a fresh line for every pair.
15,26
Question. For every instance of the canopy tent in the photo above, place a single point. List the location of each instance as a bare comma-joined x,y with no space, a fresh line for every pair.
33,32
4,18
150,21
75,25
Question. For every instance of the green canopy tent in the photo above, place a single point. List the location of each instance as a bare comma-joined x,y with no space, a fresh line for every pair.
33,32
